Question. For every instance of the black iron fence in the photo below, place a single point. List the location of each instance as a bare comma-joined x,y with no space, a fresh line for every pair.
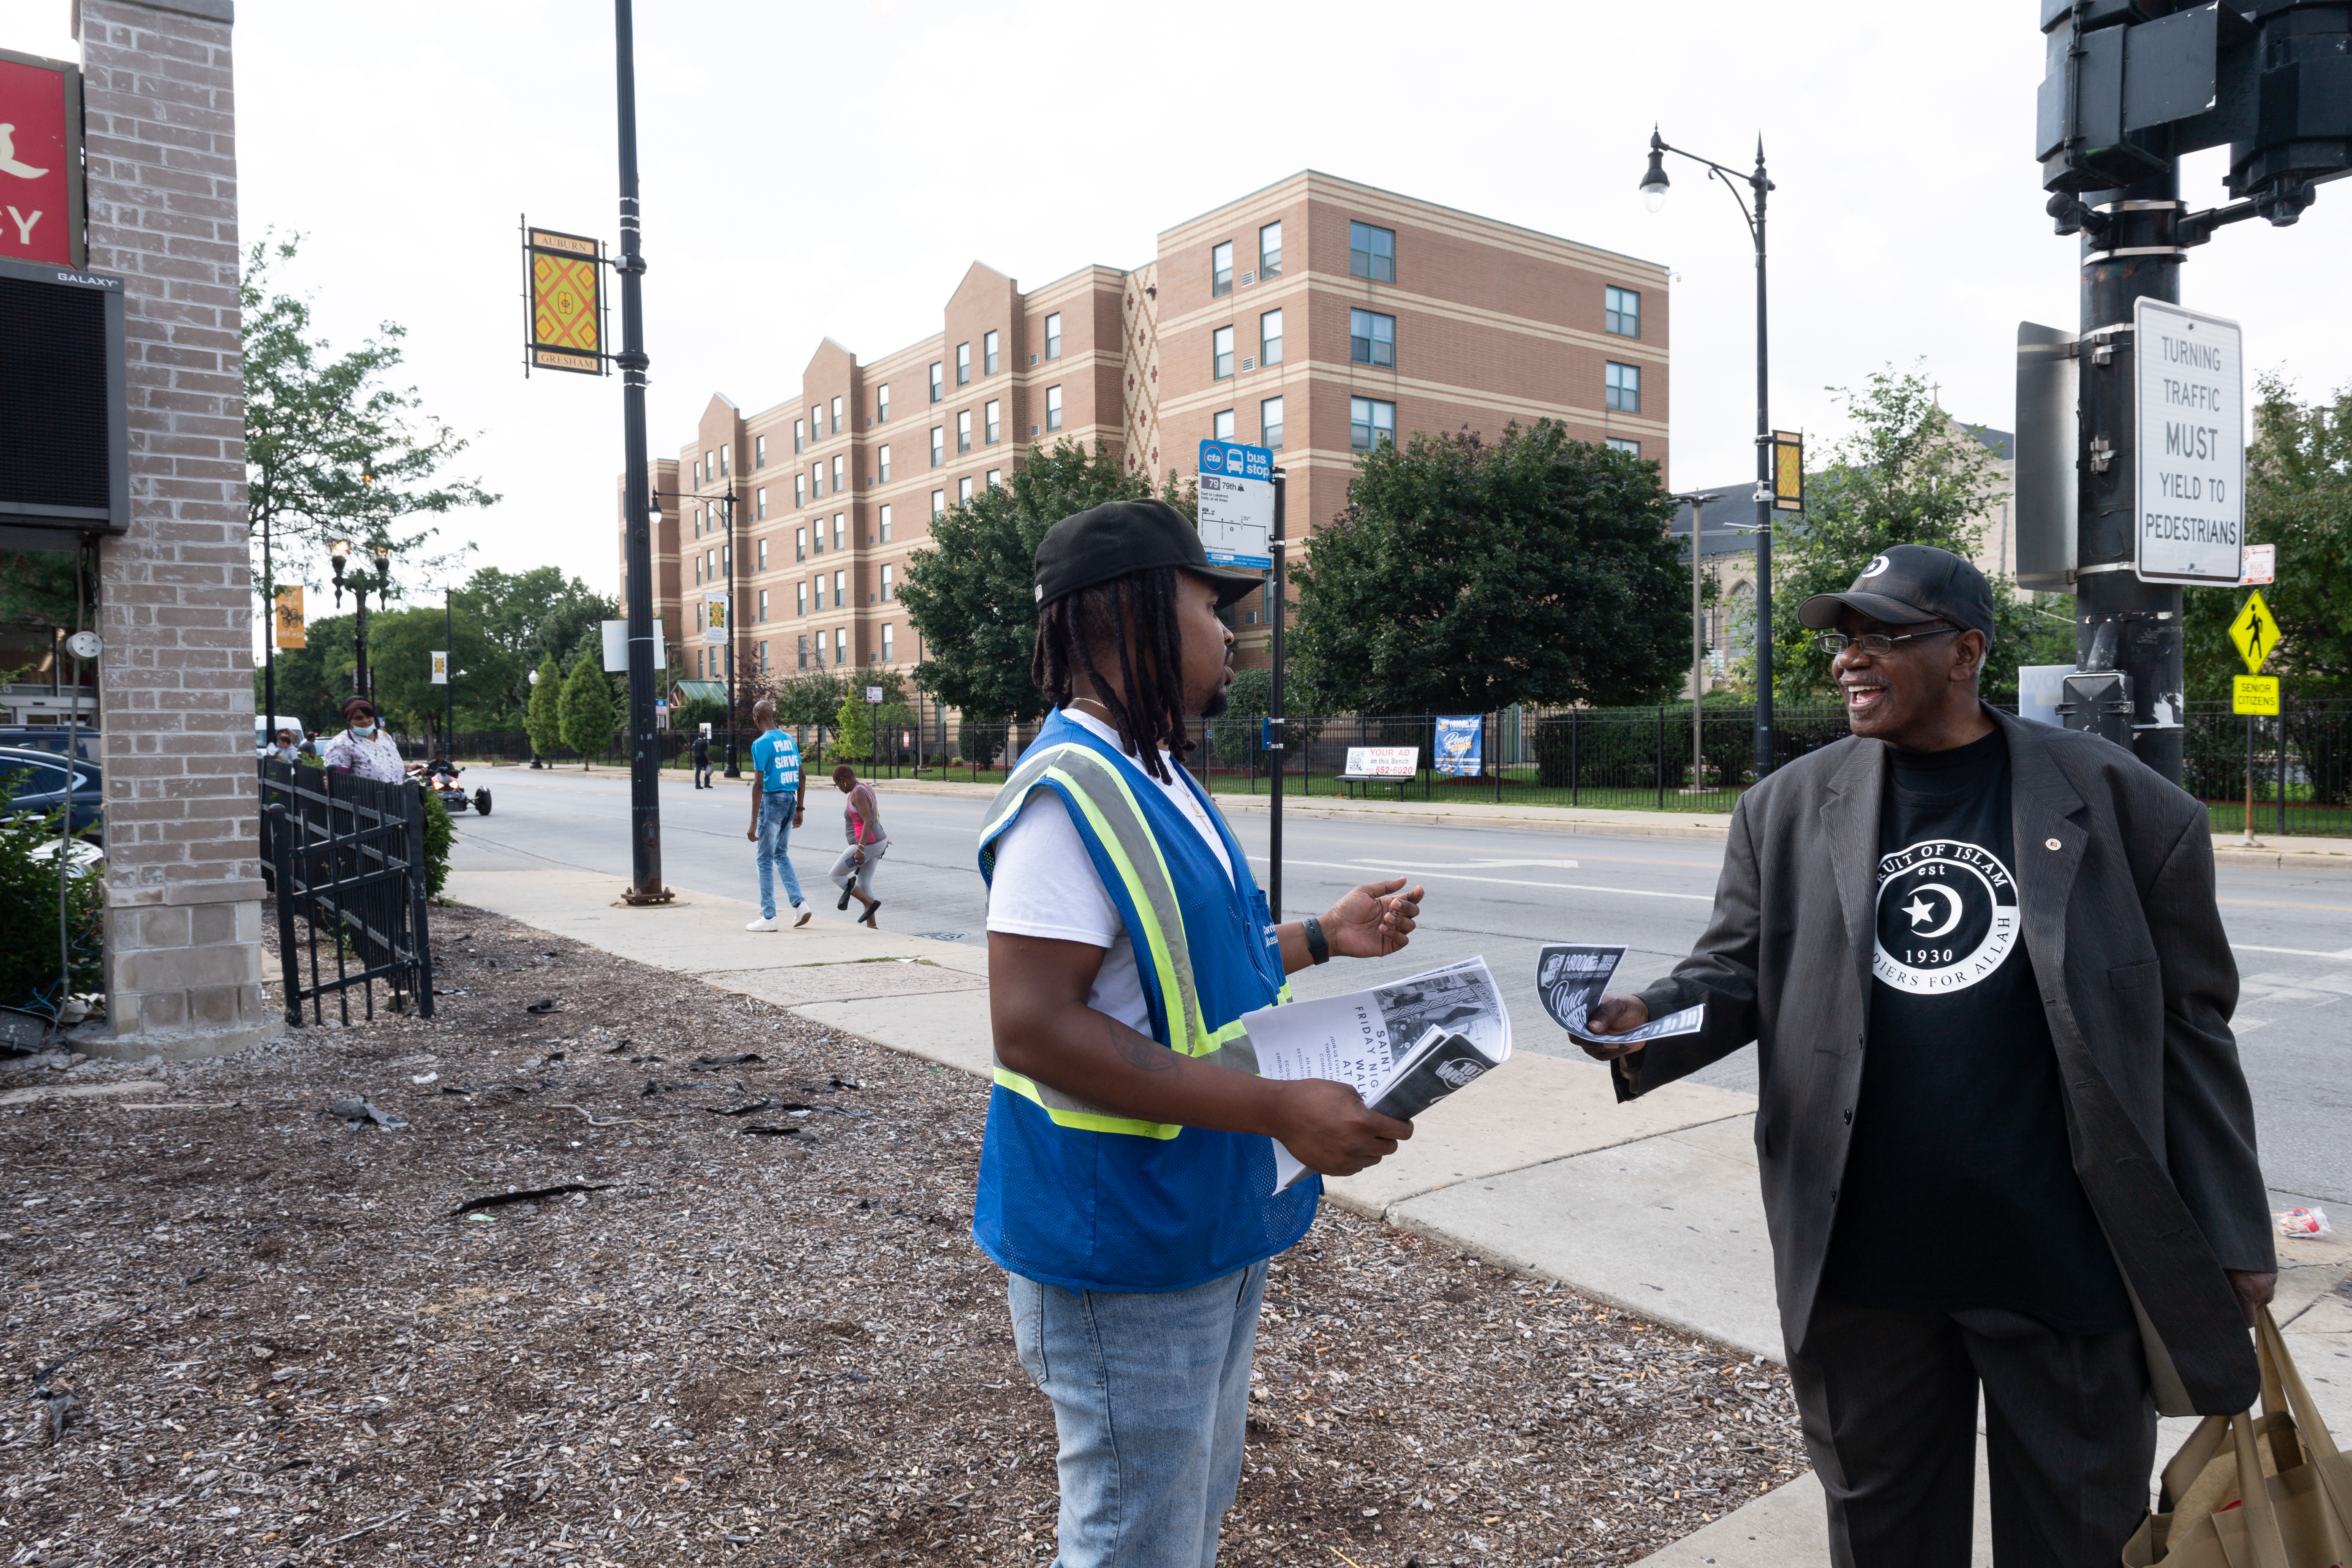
344,860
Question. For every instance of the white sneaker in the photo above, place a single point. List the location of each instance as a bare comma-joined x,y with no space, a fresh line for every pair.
766,922
803,921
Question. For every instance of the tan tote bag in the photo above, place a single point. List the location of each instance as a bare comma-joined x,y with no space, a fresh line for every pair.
2244,1492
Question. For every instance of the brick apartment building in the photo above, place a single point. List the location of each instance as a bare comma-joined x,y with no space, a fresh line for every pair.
1316,316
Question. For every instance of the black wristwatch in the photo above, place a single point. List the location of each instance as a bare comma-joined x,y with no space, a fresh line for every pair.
1318,949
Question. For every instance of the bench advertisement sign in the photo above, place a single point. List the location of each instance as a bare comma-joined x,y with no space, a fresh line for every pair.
1458,748
1383,761
1237,504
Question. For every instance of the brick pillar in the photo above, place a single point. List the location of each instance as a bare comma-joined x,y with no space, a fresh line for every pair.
184,938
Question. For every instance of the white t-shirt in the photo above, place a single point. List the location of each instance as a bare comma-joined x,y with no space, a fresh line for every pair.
1046,884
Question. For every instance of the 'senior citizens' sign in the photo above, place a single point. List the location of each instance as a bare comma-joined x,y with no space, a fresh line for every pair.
1460,745
2191,441
1237,504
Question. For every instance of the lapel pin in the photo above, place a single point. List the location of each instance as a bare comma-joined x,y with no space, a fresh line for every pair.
2049,844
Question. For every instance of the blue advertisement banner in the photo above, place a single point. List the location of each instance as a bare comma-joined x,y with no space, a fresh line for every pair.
1458,745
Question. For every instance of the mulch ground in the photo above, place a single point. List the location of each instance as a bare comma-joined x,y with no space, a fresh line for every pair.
237,1331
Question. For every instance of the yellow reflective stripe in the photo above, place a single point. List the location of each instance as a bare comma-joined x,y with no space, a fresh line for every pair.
1087,1120
1163,967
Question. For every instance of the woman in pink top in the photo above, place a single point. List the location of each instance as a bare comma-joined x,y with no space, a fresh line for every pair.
862,822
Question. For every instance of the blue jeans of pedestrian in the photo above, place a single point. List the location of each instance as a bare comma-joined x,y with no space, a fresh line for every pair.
775,836
1150,1393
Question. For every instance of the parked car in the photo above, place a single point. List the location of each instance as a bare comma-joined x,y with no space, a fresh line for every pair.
36,781
51,738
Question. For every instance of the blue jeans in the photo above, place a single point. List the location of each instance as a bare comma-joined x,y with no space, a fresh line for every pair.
775,836
1150,1393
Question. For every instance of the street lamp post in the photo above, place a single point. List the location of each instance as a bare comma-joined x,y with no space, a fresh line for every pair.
1654,192
360,584
1698,643
644,755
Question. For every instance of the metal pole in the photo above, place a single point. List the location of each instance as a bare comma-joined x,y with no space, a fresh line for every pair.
2250,779
268,645
645,752
1277,747
1761,186
449,635
2121,623
359,647
726,504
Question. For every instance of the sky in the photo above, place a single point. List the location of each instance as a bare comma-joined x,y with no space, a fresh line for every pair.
814,171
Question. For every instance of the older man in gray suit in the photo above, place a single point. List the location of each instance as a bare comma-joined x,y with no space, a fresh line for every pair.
2006,1144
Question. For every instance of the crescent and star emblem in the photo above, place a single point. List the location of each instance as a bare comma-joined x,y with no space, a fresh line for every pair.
1921,911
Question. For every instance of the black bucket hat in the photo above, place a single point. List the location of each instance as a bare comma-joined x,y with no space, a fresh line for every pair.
1124,536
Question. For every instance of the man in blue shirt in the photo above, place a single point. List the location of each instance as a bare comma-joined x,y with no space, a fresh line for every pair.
775,811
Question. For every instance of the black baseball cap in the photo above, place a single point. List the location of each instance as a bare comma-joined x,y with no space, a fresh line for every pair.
1123,536
1906,584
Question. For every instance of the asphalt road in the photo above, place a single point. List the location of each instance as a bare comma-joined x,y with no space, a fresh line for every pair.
1497,893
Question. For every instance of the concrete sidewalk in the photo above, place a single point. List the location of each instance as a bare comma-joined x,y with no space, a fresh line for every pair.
1653,1206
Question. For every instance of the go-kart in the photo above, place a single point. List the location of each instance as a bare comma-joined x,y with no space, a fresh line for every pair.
454,798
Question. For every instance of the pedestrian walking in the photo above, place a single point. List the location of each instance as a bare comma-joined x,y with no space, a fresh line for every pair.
775,811
2006,1143
702,759
362,748
862,824
1127,1181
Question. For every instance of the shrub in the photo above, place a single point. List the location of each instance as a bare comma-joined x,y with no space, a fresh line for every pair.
28,916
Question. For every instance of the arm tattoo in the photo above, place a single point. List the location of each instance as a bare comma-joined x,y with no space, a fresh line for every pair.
1140,1051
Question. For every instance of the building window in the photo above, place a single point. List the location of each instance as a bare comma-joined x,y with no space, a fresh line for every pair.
1269,424
1624,388
697,567
882,464
816,424
800,544
838,534
938,503
1053,408
1220,270
840,589
800,434
764,604
816,545
698,522
1371,339
939,445
990,410
799,491
836,418
1371,252
722,462
988,353
820,590
882,404
996,478
841,645
758,451
1054,335
804,652
964,431
964,491
803,597
1269,338
760,502
889,654
763,555
1618,444
885,524
938,381
1221,425
1622,312
1370,424
886,582
817,480
1269,251
836,474
963,364
764,656
1221,351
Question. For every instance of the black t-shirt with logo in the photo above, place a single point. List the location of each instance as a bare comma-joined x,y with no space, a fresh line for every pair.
1960,1191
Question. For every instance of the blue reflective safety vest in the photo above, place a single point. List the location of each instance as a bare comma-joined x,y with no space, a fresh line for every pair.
1071,1196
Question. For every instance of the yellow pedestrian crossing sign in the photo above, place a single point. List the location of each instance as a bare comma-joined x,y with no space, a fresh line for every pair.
2255,632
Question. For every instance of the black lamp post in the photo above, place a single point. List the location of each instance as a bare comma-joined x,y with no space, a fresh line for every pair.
1654,192
361,584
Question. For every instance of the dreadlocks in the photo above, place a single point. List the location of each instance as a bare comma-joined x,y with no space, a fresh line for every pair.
1137,616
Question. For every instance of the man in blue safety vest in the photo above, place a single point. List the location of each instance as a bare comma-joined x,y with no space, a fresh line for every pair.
1127,1182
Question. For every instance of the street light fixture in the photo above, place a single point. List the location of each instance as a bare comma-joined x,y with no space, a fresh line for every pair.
1654,195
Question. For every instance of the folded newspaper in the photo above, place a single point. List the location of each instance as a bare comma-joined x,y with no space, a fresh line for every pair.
1403,1047
1570,977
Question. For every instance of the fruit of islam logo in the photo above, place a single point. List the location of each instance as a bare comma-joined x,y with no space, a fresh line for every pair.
1877,565
1947,917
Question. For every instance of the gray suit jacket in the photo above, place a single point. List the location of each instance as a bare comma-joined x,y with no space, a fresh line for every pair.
2116,888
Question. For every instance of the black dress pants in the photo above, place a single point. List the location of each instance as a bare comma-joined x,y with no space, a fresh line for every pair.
1889,1406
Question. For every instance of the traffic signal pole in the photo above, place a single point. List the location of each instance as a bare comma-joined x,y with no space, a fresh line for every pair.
2123,625
645,744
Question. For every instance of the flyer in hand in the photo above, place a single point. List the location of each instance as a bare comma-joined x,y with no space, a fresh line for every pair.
1402,1047
1570,977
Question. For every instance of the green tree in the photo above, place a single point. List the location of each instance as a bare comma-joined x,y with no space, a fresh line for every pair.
1248,700
330,452
543,719
524,616
1463,578
400,644
588,716
853,728
1905,473
2298,497
972,595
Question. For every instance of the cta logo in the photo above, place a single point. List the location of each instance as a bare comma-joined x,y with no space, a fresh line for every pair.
1214,459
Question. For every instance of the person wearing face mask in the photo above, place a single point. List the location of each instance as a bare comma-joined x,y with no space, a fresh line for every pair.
362,749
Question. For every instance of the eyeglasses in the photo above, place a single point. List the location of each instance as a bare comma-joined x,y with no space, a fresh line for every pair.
1875,642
